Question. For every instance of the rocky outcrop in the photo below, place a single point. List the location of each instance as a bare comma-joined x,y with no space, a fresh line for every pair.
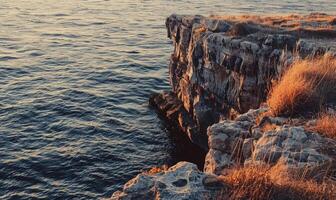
219,64
273,140
182,181
222,67
252,138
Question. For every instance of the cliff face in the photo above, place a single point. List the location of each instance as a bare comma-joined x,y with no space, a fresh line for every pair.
220,65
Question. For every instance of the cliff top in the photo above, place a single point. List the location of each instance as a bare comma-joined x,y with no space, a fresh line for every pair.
316,28
311,21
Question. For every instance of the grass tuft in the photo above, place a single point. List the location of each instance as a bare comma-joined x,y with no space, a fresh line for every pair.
305,87
326,125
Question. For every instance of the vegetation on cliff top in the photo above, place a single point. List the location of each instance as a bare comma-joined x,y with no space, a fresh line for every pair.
315,25
326,125
305,87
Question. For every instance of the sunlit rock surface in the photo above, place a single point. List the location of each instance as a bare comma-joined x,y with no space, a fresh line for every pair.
247,142
182,181
223,63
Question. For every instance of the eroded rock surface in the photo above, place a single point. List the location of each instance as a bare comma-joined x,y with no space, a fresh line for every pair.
272,141
293,146
182,181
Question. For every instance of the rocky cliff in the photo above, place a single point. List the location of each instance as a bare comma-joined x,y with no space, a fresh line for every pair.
221,71
225,64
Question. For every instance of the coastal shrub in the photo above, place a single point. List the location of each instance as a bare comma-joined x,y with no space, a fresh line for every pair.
326,125
305,87
267,183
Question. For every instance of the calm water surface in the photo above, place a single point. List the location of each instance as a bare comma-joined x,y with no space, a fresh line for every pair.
75,77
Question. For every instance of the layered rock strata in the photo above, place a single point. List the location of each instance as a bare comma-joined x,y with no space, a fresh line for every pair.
220,64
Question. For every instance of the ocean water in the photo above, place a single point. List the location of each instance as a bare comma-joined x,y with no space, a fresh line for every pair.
75,78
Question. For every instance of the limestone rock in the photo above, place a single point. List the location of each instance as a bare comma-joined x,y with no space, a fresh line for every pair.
292,146
216,161
182,181
243,141
234,70
225,140
220,64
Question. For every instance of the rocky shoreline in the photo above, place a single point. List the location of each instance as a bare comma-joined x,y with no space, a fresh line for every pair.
221,71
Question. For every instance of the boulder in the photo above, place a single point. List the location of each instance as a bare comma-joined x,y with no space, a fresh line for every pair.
230,141
182,181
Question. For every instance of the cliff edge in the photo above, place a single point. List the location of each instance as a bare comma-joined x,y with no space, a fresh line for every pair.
225,65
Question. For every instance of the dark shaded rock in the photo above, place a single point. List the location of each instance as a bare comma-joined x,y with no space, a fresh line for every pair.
213,182
171,108
180,183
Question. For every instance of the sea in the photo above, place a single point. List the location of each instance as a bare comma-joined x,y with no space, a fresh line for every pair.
75,79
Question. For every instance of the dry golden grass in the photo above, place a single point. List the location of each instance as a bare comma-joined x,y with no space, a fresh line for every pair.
286,21
315,25
326,125
305,87
268,127
264,182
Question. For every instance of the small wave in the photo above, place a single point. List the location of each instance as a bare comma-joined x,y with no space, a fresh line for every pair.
98,23
60,15
58,62
133,52
36,54
8,39
60,35
6,58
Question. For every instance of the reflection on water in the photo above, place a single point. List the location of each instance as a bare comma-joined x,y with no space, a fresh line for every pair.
75,77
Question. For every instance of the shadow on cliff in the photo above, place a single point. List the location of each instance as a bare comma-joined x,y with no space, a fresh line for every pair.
182,149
